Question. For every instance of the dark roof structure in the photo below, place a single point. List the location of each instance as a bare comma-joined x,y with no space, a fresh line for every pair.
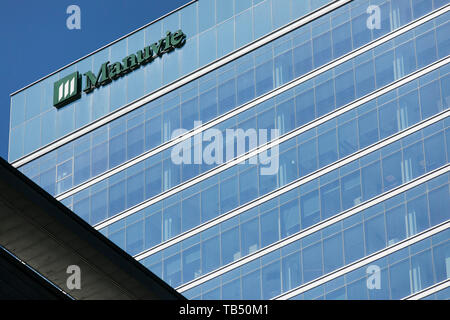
48,237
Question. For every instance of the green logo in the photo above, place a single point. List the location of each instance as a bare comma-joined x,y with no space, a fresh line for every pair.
69,89
66,90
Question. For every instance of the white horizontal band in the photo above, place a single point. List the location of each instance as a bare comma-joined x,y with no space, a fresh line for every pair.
315,228
429,291
268,96
366,260
178,83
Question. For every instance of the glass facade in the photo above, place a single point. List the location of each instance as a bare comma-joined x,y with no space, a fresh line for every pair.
359,97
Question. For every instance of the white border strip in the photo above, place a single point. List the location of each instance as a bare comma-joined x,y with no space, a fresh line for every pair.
429,291
366,260
306,232
178,83
292,185
299,130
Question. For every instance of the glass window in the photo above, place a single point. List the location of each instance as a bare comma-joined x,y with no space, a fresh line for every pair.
351,190
325,98
98,207
348,138
365,80
430,99
375,234
224,10
405,59
153,227
117,151
421,271
354,243
421,7
190,212
409,111
388,121
395,223
248,185
262,22
304,107
210,254
439,203
251,286
264,77
426,49
191,263
399,280
327,148
286,116
368,128
117,198
99,159
250,236
244,27
434,151
443,42
227,95
345,88
417,216
342,41
310,211
210,203
332,253
153,132
135,238
312,262
292,271
135,189
271,280
230,245
172,270
229,194
330,199
207,39
384,68
441,255
232,290
171,222
303,59
206,15
281,13
269,227
153,180
360,35
283,68
322,49
81,167
392,171
289,218
245,87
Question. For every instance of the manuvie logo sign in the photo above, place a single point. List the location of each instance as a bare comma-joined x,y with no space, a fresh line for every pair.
66,90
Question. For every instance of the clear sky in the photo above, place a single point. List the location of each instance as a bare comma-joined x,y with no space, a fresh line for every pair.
36,41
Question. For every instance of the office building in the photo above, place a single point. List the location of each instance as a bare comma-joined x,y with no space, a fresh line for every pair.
260,149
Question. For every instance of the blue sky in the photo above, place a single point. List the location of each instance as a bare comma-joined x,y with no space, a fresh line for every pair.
36,41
